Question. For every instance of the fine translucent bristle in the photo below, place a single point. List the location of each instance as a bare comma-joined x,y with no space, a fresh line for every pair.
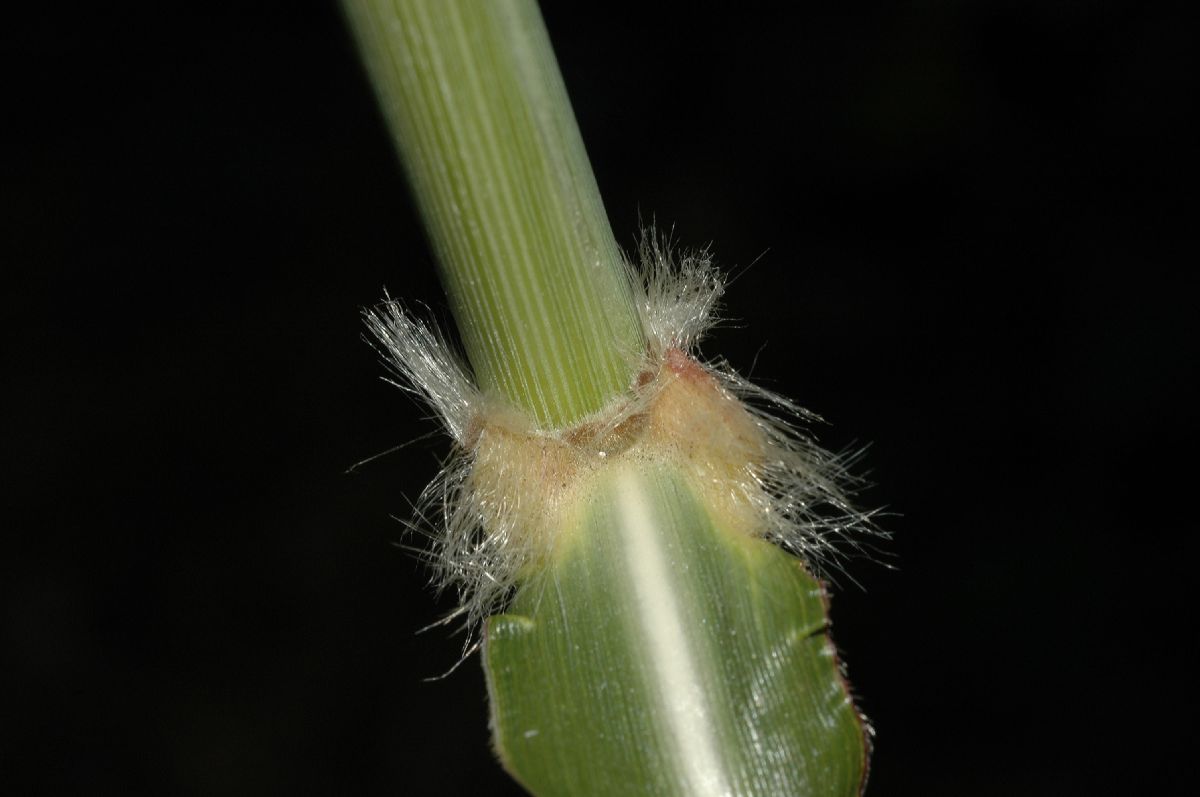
497,507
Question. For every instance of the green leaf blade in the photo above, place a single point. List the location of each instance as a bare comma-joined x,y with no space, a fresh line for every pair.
579,705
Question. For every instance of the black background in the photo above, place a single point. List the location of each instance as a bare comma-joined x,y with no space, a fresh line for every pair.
969,231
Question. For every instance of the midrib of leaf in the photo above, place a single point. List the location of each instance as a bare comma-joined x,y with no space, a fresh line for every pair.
536,281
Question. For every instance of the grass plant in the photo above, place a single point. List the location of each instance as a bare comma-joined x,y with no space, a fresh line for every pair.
633,532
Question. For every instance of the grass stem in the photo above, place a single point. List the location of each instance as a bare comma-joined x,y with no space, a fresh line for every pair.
477,106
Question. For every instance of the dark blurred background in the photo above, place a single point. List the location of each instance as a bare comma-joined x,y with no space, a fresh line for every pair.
968,233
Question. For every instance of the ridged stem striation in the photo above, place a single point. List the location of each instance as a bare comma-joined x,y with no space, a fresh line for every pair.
474,98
